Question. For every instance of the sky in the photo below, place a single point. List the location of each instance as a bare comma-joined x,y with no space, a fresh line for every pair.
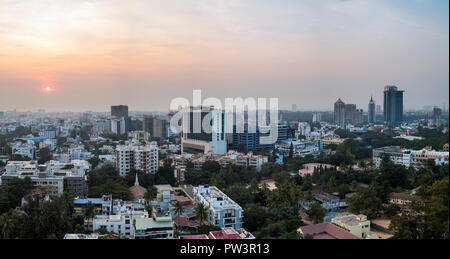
91,54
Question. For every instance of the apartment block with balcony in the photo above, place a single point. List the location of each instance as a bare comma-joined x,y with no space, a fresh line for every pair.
142,158
223,212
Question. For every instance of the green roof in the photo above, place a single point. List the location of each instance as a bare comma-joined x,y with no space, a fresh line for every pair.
149,223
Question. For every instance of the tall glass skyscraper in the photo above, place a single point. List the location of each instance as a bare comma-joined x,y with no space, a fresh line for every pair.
393,105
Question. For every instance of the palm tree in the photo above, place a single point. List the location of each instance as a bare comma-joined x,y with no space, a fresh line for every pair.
201,213
7,224
89,212
178,208
150,194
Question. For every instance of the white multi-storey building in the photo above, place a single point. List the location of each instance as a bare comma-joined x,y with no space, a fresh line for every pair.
122,221
223,212
25,149
142,158
406,157
304,129
55,176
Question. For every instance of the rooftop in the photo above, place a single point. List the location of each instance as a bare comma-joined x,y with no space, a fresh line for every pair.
326,231
351,220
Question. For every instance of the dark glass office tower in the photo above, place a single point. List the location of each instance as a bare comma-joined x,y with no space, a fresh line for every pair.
393,105
119,111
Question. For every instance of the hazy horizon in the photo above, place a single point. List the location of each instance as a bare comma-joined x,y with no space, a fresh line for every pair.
94,54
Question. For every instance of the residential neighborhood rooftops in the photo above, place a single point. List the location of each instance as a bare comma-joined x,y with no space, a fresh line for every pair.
326,231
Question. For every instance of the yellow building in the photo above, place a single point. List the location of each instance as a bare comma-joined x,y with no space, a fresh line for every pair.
358,225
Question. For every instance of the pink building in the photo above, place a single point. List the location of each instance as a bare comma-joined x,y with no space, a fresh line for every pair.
308,169
226,233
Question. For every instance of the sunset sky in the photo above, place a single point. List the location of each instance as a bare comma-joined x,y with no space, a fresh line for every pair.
95,53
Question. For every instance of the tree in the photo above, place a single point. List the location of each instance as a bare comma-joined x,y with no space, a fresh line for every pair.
392,210
17,188
94,161
150,194
178,208
89,212
7,223
316,213
254,217
365,201
240,194
201,213
44,155
343,189
428,218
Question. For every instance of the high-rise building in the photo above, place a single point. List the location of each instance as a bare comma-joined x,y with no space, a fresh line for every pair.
393,105
200,137
142,158
157,127
437,113
317,117
294,107
119,111
372,115
379,111
347,114
120,123
339,113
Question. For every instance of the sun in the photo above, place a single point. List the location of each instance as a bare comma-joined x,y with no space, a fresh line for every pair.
48,89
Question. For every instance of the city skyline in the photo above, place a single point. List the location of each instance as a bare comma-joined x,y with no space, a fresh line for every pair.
87,55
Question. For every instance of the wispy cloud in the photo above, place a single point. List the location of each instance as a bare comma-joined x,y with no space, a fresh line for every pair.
292,49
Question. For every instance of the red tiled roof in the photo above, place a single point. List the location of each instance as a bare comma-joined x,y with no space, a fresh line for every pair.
137,191
202,236
181,199
326,231
183,221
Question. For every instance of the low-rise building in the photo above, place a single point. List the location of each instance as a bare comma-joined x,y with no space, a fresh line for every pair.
121,222
308,169
326,231
56,177
402,199
226,233
300,148
159,226
358,225
408,157
24,149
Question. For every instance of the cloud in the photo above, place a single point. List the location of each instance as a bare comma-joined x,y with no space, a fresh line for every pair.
291,49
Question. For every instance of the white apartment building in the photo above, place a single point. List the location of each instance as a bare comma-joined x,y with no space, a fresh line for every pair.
25,149
143,158
304,129
223,212
55,176
79,153
406,157
122,221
